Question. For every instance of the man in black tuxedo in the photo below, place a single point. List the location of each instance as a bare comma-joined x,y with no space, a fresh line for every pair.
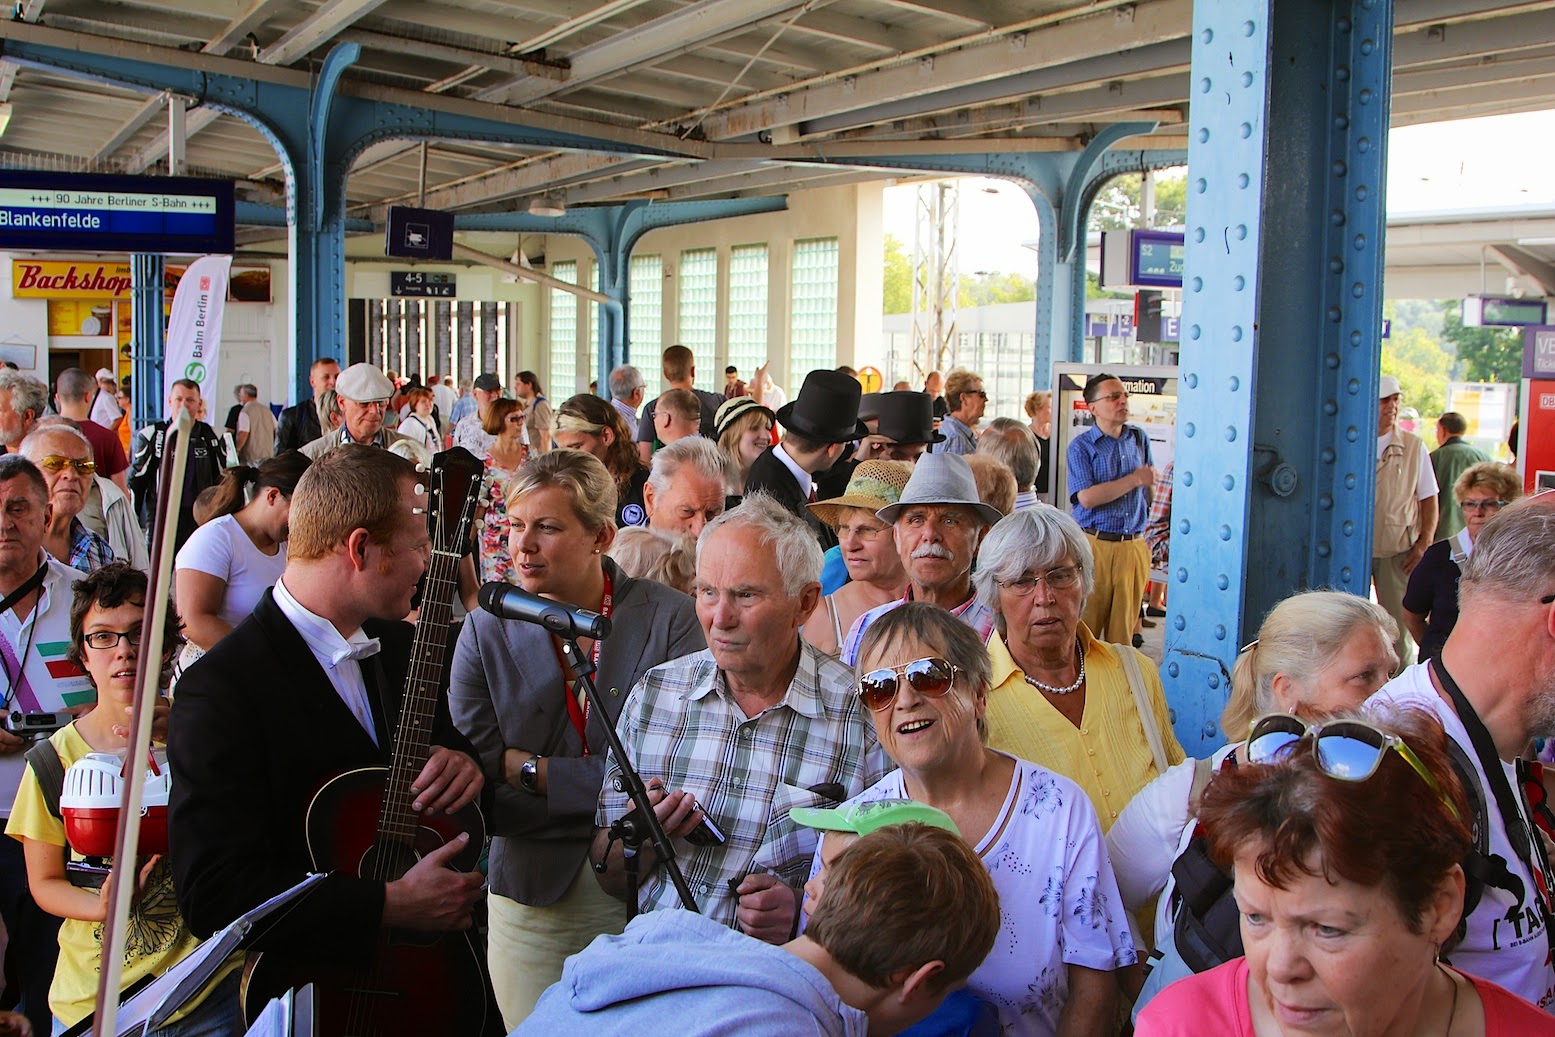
299,425
307,687
817,428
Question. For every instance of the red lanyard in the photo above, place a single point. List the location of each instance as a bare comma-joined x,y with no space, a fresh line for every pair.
579,714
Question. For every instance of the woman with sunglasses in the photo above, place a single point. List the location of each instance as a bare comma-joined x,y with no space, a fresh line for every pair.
228,563
1345,840
1317,653
1431,599
541,744
1061,697
925,679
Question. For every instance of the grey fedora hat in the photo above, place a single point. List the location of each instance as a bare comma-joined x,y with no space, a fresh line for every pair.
941,479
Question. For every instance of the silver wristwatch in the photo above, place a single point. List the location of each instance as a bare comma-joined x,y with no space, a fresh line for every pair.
529,774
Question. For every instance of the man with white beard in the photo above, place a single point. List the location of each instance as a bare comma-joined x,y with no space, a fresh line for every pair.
937,525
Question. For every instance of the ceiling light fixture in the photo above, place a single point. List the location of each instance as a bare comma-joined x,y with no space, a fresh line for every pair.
548,204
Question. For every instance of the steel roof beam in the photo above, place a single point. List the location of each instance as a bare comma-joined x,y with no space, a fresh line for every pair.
485,62
671,34
1521,261
991,61
317,29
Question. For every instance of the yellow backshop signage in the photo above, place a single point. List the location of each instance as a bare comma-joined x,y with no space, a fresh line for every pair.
65,279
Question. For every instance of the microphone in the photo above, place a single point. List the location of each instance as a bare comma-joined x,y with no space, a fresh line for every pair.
509,602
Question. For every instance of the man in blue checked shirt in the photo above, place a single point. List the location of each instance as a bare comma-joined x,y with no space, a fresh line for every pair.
1110,475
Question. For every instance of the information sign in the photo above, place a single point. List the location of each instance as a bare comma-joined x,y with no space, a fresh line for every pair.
416,284
94,212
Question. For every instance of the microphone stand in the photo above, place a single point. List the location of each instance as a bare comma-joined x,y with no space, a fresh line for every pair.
627,828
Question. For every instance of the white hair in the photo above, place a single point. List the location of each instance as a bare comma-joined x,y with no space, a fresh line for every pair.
27,394
793,542
702,455
1031,541
32,446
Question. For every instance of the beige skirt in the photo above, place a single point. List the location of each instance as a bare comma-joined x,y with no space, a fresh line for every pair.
526,946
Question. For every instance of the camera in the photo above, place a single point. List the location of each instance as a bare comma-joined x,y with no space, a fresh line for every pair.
27,725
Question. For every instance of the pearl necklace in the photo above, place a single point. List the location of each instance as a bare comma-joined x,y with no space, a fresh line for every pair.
1079,647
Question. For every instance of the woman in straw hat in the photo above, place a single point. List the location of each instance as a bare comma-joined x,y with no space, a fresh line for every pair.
875,570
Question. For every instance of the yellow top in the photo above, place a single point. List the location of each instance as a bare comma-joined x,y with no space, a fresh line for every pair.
157,936
1108,755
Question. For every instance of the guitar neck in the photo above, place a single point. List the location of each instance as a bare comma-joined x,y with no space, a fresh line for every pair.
396,819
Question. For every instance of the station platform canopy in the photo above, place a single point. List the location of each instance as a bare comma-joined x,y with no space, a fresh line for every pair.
724,98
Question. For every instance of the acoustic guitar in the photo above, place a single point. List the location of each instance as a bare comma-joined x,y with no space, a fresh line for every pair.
361,824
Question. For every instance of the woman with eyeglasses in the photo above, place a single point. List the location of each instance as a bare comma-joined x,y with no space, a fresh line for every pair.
925,679
105,641
1345,840
1094,712
1317,653
228,563
875,573
1431,599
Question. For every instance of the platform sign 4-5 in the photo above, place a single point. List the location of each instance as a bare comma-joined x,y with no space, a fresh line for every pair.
416,284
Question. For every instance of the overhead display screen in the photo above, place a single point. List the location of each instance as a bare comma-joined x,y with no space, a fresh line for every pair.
90,212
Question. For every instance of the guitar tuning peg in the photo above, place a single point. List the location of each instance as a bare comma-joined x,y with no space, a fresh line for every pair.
420,490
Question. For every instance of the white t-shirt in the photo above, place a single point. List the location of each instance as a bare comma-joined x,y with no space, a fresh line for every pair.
1506,942
1059,903
1425,479
221,548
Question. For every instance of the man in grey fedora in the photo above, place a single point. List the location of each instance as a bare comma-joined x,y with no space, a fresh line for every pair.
938,525
817,427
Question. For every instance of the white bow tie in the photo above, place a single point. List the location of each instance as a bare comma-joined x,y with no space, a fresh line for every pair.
358,650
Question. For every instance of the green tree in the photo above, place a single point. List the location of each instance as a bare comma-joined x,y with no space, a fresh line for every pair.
989,289
1118,205
1484,354
898,276
1422,368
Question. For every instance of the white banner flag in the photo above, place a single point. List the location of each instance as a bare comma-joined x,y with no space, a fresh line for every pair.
194,329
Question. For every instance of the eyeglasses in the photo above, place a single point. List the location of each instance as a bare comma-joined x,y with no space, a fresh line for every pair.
1061,578
1111,397
932,677
1349,750
977,392
1483,505
58,463
104,639
868,534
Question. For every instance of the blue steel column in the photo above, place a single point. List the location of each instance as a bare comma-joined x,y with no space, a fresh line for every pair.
149,327
1282,326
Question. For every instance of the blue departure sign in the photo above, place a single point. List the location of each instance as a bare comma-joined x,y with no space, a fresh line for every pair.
1158,259
92,212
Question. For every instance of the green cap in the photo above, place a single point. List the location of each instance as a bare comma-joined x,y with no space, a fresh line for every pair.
863,818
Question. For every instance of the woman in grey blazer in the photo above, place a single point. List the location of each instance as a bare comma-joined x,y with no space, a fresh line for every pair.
541,747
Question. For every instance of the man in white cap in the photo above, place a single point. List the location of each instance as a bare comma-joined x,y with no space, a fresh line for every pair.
938,525
1404,521
364,392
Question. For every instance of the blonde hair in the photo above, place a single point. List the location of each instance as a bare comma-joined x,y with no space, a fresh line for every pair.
729,442
352,487
1498,478
588,484
995,482
1299,638
1036,401
651,554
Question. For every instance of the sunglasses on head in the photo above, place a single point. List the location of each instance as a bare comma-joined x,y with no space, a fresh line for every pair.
932,677
1349,750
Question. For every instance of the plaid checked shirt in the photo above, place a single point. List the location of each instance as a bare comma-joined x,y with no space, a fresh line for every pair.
1160,525
88,551
680,723
1094,458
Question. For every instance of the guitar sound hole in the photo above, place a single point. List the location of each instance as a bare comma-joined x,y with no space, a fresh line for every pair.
387,863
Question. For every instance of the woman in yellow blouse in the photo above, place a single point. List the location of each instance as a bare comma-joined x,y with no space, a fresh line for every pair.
1060,697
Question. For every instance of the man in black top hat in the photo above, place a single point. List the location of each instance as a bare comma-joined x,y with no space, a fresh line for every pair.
817,428
904,427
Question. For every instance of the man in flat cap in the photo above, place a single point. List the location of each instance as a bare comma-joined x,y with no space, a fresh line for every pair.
364,392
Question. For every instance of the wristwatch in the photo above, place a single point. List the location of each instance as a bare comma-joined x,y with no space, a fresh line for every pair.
529,774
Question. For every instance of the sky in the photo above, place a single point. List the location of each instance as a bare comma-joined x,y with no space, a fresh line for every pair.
1499,161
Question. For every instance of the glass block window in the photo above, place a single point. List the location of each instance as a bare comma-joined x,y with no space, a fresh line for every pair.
747,309
646,313
813,319
698,330
564,333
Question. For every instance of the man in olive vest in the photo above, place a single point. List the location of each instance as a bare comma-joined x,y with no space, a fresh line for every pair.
1404,521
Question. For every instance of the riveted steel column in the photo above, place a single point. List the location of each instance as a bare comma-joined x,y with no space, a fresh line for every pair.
150,331
1281,326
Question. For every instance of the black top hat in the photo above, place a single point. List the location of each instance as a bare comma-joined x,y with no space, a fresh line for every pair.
908,417
826,409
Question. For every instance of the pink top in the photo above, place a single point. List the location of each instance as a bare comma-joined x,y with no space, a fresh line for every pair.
1216,1002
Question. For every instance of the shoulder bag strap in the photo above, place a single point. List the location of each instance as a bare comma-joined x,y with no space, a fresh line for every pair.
49,769
1203,771
1136,684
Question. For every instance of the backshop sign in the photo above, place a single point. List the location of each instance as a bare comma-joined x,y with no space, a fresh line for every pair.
66,279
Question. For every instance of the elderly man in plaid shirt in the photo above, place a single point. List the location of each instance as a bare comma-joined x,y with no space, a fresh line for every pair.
741,733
